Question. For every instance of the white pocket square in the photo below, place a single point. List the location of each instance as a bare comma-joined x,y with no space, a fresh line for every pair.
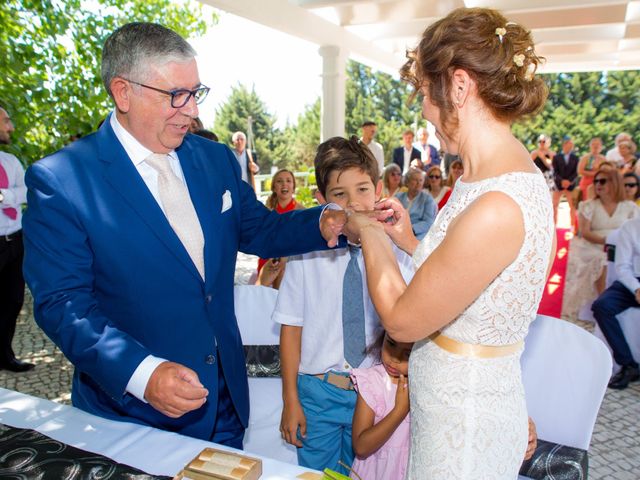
226,201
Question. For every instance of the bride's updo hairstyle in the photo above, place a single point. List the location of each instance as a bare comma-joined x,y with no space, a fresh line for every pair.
499,55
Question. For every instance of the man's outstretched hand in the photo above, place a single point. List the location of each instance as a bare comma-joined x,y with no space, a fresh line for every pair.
174,390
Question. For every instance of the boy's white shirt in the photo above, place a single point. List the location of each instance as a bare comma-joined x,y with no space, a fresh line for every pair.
310,296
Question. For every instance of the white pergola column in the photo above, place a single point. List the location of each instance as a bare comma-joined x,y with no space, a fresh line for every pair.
333,92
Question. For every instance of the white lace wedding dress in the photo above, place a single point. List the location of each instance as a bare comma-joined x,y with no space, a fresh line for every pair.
468,416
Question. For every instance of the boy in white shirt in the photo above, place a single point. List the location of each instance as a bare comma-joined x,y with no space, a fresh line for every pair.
319,399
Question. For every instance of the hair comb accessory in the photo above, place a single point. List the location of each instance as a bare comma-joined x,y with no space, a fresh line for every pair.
531,70
518,59
501,32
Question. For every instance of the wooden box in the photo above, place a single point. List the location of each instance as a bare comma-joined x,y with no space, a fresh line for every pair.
212,463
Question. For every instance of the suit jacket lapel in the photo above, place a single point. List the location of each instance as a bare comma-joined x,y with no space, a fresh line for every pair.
120,172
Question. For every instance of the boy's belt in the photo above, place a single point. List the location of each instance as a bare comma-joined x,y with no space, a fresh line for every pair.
341,381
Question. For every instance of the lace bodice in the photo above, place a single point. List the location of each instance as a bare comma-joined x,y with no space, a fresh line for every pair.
468,415
502,313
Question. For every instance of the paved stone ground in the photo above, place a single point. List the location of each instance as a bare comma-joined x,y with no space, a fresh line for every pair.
615,447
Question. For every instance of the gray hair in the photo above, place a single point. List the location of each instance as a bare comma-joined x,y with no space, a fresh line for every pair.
235,136
131,49
622,137
413,172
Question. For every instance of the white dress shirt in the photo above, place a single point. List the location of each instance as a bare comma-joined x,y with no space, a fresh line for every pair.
14,196
628,254
377,151
137,153
310,296
613,155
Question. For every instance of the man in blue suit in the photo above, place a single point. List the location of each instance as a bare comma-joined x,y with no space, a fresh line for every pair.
131,238
405,155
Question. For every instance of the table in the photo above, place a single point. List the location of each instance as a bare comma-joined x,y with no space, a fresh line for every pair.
154,451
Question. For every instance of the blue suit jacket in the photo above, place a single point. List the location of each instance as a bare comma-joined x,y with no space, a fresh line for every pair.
398,156
112,283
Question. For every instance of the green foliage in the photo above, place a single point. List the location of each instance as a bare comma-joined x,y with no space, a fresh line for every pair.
233,116
585,105
305,197
380,98
50,62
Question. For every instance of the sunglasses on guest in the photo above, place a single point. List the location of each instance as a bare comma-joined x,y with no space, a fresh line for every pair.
434,177
600,181
630,185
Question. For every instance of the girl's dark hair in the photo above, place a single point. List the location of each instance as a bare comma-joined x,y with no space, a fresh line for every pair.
273,198
375,349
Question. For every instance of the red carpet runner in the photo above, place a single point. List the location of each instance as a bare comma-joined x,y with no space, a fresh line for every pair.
551,303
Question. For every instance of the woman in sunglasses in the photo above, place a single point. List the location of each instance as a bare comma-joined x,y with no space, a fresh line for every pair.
632,187
438,190
586,267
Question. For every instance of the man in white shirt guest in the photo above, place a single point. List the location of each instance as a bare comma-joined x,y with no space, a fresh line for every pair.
624,293
369,130
12,196
429,153
404,156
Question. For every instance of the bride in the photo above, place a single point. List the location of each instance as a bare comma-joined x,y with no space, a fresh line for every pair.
482,266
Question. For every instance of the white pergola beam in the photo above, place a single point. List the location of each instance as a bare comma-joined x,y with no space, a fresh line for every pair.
286,17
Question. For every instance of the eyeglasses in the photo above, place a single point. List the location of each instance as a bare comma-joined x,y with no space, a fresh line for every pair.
181,96
434,177
600,181
395,174
630,185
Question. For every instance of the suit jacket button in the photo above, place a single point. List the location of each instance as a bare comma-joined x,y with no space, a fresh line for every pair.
208,298
210,359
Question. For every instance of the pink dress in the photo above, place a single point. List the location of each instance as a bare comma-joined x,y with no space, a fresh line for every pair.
390,461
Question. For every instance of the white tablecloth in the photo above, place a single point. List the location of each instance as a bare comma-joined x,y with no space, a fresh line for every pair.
154,451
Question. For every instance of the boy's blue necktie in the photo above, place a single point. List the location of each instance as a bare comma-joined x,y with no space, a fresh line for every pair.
353,311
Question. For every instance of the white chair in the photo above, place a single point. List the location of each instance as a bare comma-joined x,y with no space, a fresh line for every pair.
565,372
629,319
254,306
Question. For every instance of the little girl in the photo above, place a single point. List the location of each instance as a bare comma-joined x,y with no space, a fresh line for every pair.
283,186
381,433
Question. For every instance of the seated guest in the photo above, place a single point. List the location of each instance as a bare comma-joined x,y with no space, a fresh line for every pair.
586,270
436,187
614,155
632,187
391,180
406,156
455,171
587,167
283,187
622,294
421,206
627,151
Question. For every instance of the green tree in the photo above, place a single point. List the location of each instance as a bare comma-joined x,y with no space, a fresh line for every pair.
50,62
381,98
585,105
233,116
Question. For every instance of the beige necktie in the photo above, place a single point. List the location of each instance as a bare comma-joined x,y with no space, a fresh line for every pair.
179,210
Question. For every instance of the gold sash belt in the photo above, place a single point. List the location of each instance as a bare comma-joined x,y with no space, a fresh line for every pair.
472,350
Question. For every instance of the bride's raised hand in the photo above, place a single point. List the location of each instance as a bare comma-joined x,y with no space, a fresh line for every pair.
398,224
